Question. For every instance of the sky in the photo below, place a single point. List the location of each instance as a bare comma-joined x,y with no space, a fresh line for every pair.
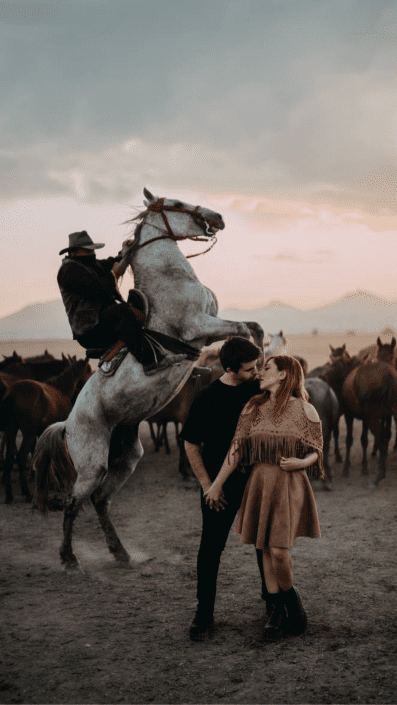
280,114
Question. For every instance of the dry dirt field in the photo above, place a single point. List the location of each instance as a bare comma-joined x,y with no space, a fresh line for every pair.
112,635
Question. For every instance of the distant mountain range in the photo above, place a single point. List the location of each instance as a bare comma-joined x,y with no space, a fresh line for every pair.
361,311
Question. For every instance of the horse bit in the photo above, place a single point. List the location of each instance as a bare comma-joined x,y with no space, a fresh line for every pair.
159,207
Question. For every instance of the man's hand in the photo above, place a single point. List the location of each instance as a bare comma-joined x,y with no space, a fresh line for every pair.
215,498
125,247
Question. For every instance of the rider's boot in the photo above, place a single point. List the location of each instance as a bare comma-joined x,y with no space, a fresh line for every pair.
155,360
139,305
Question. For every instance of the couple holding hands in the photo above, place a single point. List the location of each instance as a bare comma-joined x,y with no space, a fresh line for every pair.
253,441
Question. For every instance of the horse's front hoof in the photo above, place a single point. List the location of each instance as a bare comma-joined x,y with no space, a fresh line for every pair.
123,559
327,487
70,562
28,498
73,567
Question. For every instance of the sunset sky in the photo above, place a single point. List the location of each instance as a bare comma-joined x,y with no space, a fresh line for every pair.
280,114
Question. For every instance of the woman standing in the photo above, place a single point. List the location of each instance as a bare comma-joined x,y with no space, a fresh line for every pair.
279,435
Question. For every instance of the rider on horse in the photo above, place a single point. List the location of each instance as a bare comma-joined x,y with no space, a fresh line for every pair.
97,313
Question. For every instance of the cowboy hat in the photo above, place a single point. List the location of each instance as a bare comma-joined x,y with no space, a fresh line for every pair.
77,240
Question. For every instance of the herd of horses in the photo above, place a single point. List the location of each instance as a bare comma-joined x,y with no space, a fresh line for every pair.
83,428
36,392
363,387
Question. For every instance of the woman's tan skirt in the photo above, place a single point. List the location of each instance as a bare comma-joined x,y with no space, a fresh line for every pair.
277,507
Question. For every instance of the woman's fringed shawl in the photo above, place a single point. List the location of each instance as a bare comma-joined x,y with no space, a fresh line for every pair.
261,438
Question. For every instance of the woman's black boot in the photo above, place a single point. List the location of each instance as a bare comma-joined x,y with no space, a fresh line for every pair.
297,616
275,625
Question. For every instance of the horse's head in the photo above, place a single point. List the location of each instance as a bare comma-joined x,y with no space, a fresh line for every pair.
385,352
339,352
185,221
10,360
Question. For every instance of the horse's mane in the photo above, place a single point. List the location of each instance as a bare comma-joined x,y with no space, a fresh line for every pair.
136,230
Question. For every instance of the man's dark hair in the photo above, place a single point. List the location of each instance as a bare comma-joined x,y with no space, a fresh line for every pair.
236,350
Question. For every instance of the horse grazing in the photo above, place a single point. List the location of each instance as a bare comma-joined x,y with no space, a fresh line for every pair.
276,346
30,407
176,412
93,453
370,394
325,401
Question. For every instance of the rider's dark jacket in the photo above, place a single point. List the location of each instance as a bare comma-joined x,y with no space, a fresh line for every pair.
87,288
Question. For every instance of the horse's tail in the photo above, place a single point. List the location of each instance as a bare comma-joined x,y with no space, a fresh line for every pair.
53,467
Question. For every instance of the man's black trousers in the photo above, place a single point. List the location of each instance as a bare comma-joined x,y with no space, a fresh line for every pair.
216,529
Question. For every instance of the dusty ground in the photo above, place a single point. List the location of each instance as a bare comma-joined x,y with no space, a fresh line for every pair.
111,635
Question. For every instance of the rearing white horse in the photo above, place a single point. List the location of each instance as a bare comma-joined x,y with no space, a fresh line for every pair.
93,453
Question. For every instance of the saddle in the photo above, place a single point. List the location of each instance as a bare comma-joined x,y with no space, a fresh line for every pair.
158,343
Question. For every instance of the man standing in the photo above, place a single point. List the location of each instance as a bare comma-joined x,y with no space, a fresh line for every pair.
208,433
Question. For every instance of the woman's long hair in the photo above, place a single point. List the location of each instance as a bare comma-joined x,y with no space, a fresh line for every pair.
293,385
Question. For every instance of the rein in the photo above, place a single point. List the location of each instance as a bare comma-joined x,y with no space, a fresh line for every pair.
159,207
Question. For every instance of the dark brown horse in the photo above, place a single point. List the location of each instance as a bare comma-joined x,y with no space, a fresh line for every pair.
335,374
176,412
382,352
370,394
14,367
322,372
338,352
30,406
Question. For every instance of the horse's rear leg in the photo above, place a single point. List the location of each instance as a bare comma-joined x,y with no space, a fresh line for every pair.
337,453
68,559
164,438
364,446
27,446
395,441
11,436
126,451
328,474
383,444
349,443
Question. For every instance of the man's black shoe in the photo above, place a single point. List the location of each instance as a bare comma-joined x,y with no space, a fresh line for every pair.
200,627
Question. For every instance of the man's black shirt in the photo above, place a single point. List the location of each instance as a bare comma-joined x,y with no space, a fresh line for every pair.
213,419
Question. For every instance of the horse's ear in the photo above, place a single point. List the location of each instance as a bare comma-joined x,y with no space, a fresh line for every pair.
332,349
15,354
149,196
64,358
379,342
344,347
393,342
281,334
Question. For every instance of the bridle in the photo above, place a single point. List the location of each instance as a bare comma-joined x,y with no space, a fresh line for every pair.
159,207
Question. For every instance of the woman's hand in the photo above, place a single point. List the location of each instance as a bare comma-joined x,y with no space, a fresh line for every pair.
289,464
214,497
